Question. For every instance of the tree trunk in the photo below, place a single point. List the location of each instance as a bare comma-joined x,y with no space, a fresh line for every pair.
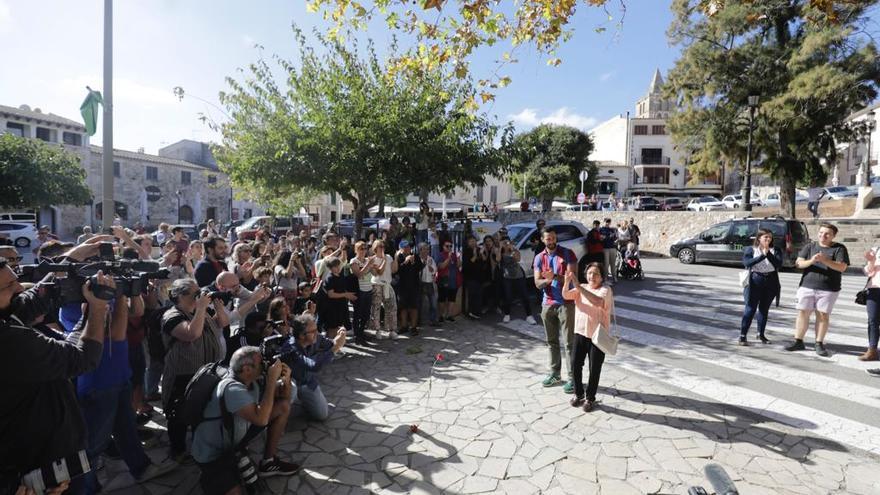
360,212
382,207
787,196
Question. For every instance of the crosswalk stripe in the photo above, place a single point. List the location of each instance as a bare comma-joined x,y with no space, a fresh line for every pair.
732,321
817,422
741,363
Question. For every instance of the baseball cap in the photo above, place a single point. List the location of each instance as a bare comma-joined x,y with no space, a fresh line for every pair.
404,244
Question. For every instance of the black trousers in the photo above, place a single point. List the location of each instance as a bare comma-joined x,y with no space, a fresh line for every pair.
580,351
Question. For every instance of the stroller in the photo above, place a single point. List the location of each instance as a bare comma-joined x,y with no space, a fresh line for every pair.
629,266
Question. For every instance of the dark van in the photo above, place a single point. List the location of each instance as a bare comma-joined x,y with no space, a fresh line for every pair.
724,242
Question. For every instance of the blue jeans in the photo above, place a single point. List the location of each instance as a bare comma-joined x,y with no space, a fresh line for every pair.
873,308
108,412
313,401
362,311
153,376
428,293
758,296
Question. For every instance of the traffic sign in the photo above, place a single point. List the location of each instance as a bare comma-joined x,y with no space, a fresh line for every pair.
582,198
534,200
584,175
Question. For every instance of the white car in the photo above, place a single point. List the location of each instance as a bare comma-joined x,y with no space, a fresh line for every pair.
571,235
734,201
840,192
705,203
772,199
20,233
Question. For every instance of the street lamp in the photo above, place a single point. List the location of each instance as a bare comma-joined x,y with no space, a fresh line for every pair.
178,206
747,187
871,125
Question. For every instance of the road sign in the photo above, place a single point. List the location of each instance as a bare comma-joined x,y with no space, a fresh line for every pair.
584,175
582,198
534,200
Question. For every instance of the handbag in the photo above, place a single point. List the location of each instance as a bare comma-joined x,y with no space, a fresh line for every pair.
862,295
744,278
604,339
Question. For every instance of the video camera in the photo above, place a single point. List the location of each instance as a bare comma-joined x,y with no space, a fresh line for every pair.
131,276
224,296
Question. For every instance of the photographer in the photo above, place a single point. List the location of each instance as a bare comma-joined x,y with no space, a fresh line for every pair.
288,271
193,336
306,354
105,400
255,329
40,422
216,447
242,300
12,257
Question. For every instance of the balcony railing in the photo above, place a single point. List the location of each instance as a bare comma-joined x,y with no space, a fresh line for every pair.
650,160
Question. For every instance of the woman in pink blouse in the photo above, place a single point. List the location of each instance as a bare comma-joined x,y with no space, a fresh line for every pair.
872,270
593,303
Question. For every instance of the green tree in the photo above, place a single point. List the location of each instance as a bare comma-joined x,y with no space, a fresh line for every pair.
811,67
34,174
549,158
344,124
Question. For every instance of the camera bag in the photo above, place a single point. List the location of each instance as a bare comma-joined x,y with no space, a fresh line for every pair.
199,392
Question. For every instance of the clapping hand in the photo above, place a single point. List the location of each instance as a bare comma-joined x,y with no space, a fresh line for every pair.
870,256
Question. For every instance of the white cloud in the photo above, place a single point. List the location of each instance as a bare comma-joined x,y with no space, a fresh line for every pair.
5,17
529,117
607,75
247,41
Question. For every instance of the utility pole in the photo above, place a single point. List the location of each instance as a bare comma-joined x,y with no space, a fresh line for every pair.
108,205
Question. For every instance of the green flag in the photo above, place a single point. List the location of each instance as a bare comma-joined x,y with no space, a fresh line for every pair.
89,111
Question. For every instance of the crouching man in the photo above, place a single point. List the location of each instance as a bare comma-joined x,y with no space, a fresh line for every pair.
235,415
306,353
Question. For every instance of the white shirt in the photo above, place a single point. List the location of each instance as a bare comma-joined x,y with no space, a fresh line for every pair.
428,272
764,266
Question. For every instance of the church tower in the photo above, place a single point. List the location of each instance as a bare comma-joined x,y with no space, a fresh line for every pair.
653,105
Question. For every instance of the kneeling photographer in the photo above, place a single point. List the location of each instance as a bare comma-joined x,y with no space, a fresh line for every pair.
235,415
306,353
42,430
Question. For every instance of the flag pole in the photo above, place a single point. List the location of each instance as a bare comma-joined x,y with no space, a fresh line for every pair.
108,209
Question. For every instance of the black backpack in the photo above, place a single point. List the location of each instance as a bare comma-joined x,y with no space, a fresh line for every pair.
199,392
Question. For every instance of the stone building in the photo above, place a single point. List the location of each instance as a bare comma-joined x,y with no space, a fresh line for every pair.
182,184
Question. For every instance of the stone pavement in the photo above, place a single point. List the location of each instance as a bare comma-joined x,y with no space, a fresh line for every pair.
488,426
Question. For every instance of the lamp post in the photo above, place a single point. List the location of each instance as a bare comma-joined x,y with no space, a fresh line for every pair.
872,123
747,187
178,206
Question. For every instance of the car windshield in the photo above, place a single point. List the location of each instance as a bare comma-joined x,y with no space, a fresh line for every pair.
837,189
517,234
707,199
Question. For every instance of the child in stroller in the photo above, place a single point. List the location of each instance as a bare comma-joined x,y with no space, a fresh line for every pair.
630,266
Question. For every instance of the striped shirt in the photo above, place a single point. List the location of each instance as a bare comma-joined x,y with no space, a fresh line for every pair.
185,358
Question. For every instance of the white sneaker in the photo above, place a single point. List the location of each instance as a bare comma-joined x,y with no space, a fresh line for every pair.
498,310
379,335
531,320
393,335
506,319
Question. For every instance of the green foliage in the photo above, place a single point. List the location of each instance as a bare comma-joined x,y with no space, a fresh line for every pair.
550,158
810,64
34,174
343,124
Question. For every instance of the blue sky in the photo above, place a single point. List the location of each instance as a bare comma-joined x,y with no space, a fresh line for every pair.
53,49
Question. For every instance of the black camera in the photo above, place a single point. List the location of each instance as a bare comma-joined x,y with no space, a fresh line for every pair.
131,277
221,295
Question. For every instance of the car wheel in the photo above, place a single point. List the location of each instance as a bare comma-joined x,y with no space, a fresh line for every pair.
686,256
22,242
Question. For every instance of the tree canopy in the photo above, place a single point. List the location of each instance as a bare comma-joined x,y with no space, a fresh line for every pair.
340,122
810,66
549,158
34,174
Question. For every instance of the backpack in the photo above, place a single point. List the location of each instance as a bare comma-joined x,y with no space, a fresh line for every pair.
199,392
153,327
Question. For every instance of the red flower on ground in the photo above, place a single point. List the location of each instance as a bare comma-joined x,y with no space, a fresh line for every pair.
413,428
439,357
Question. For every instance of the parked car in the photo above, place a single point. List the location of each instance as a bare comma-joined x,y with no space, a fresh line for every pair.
524,236
724,242
705,203
671,204
772,199
734,201
279,224
345,227
642,203
30,218
840,192
20,233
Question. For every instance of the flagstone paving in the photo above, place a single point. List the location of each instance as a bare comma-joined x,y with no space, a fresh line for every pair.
486,425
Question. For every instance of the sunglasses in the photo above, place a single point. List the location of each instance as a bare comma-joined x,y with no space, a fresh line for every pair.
14,258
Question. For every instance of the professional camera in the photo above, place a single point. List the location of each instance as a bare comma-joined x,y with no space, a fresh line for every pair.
224,296
131,276
274,346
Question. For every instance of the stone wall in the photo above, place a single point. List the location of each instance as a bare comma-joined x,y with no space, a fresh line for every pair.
660,229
